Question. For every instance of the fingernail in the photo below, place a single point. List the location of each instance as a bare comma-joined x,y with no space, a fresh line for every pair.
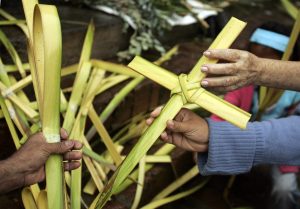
206,53
148,121
204,69
69,143
204,83
170,123
158,110
164,135
64,133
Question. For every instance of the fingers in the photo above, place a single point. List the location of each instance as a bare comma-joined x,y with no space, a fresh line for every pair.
149,121
217,85
77,145
239,73
72,155
154,114
225,81
219,69
63,134
176,126
62,147
164,136
183,113
68,166
231,55
223,90
181,142
72,158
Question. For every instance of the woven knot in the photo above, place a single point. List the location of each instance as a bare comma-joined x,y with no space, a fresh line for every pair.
185,87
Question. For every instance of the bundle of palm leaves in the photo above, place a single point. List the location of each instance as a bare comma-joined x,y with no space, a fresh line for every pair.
25,116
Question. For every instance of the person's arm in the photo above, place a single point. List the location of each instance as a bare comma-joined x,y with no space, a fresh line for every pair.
26,166
243,68
230,150
279,74
233,151
9,180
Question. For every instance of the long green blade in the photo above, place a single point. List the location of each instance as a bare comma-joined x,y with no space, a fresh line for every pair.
48,46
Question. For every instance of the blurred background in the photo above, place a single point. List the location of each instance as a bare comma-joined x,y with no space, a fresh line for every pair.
124,28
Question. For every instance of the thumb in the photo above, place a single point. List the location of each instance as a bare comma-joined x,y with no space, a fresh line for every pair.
177,126
60,147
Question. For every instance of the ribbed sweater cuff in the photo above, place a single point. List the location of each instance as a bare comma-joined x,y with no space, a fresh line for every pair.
231,150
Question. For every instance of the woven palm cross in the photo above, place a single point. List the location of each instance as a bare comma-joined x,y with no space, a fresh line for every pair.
184,89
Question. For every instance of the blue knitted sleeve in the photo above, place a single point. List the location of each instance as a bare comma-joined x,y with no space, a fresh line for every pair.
233,151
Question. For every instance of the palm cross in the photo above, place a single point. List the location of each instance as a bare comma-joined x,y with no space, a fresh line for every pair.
184,89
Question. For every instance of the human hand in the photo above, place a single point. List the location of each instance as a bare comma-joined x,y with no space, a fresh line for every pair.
241,70
187,131
29,161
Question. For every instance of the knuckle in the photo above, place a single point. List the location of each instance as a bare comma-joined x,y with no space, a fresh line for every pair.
177,126
231,69
234,68
235,80
227,82
44,147
236,55
60,147
180,127
242,81
184,110
245,82
244,56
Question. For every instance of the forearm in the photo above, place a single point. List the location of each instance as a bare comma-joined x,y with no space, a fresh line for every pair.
233,151
230,150
10,177
278,74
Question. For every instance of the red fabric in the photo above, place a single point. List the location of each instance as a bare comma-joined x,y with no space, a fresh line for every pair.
288,169
241,98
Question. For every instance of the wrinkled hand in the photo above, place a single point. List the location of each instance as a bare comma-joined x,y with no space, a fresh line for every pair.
187,131
29,161
241,70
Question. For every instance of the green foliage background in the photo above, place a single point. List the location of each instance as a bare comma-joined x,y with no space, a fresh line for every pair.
149,18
